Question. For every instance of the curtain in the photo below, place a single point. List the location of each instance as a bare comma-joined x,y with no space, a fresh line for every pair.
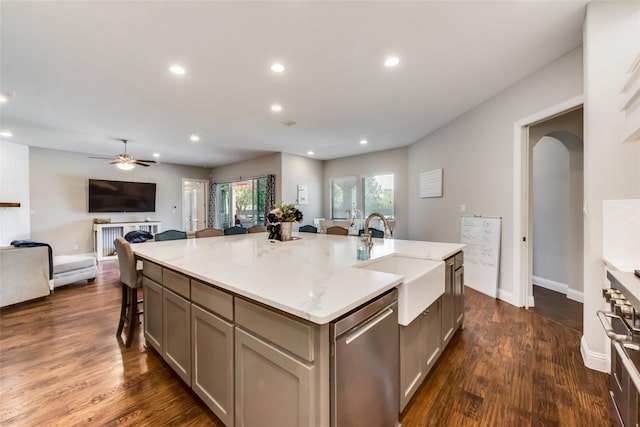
212,205
270,199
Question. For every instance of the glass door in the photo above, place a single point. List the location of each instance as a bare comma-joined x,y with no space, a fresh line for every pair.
241,203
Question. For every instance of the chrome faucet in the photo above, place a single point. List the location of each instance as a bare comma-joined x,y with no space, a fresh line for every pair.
366,235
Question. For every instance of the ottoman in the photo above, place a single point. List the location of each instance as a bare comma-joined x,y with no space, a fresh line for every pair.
73,268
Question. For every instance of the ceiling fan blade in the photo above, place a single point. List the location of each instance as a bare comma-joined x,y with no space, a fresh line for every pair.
146,161
103,158
141,164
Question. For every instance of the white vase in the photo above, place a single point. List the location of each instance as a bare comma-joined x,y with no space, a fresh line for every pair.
285,231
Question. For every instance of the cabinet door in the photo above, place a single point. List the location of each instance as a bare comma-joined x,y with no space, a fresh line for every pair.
447,302
176,334
432,335
272,387
152,313
411,359
212,362
458,297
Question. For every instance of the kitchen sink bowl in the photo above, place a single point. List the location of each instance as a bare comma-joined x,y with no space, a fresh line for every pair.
422,285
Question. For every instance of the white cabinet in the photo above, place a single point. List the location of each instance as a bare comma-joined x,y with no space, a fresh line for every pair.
105,234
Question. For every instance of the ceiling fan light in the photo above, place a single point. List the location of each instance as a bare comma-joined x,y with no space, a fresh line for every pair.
125,166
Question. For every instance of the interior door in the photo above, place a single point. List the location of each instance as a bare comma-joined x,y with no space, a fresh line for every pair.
195,204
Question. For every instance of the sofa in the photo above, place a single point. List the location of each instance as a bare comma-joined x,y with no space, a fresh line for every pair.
24,274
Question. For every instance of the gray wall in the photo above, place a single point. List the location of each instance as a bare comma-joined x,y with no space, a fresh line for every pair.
297,170
58,193
253,168
476,152
380,162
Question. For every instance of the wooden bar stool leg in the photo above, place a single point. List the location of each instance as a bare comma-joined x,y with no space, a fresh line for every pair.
123,309
133,314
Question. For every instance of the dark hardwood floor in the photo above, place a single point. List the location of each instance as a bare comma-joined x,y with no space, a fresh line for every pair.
556,306
61,364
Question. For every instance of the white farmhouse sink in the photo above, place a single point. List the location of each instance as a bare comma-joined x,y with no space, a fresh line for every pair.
422,285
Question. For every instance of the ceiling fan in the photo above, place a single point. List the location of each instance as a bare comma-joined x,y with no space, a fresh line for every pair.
125,161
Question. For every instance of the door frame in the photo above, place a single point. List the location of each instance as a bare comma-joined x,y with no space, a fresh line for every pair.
522,217
206,200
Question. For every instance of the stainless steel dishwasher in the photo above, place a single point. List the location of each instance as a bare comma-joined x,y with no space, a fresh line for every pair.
365,365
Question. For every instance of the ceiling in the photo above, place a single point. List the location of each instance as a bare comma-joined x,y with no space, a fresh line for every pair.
80,74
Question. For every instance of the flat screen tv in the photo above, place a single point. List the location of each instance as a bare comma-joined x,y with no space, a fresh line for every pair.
121,196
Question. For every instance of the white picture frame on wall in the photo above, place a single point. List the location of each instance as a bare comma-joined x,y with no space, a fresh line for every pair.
431,183
302,195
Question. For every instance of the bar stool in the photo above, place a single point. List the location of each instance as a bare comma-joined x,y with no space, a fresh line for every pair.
131,280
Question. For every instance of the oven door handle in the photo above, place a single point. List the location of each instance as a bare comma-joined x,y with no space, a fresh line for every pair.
631,369
603,315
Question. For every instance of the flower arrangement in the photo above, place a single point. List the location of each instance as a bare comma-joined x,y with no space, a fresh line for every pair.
285,213
280,219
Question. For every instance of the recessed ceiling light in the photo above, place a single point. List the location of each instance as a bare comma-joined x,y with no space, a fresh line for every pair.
156,154
6,134
194,137
177,69
276,107
363,141
392,61
277,68
310,153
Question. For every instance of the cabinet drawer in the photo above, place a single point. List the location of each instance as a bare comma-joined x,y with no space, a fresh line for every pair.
177,282
212,299
292,335
152,270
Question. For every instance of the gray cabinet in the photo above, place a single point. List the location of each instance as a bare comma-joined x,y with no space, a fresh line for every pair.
152,313
458,292
212,362
272,387
448,321
176,333
420,347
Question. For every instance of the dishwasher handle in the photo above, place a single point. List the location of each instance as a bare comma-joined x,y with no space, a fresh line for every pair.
363,328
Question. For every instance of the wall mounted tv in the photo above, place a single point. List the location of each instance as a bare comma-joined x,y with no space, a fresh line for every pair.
121,196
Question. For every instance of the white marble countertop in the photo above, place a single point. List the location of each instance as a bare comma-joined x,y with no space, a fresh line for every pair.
313,277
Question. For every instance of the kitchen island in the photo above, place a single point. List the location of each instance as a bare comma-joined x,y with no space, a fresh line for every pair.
245,321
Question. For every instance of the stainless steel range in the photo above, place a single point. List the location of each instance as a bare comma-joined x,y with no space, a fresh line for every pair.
622,326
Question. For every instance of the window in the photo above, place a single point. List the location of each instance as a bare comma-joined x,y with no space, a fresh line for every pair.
343,196
241,203
378,194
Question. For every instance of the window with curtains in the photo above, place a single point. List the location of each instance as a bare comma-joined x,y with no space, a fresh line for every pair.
343,196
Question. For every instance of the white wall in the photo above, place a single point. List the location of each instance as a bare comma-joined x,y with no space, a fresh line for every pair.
367,164
58,192
14,188
297,170
476,153
611,41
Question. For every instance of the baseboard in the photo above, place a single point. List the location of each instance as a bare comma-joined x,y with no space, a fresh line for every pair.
562,288
507,296
592,359
550,284
575,295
